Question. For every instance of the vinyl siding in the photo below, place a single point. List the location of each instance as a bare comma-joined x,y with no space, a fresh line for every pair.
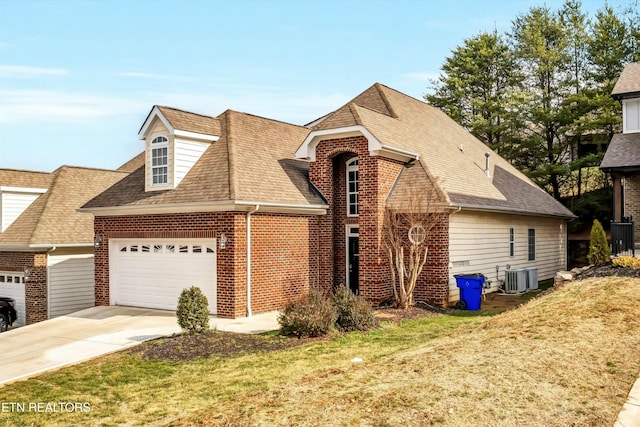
12,205
71,283
479,242
186,154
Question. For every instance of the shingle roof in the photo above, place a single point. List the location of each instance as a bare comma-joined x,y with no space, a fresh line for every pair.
53,218
628,82
447,152
133,164
192,122
25,179
623,153
252,161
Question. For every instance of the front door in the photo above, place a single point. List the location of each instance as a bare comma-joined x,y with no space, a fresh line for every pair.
353,257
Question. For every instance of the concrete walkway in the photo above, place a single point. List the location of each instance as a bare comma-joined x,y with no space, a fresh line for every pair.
76,337
630,414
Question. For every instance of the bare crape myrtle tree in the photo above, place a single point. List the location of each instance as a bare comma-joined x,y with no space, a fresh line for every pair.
408,223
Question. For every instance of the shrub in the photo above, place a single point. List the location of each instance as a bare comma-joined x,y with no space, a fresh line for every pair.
627,261
599,251
354,312
309,316
193,310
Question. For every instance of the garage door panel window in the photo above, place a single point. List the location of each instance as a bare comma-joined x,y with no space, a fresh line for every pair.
167,248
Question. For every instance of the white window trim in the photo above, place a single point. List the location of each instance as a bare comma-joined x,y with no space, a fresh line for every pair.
625,117
348,233
512,242
350,167
534,245
158,145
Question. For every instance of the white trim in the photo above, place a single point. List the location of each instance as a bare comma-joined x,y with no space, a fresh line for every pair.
248,257
625,120
307,149
10,189
349,167
195,135
218,206
155,112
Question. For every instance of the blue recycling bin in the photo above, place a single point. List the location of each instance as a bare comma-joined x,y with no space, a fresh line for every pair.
470,289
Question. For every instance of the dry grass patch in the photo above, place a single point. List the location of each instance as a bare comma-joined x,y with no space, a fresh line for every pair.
568,358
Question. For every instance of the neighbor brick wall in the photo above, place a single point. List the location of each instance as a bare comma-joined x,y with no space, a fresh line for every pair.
632,201
36,305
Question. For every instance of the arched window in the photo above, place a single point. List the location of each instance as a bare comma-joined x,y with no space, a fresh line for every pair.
352,187
159,160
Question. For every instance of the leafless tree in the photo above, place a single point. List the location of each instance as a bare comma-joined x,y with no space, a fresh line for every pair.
408,223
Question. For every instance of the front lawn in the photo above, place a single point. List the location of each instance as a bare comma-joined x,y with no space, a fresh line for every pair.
567,358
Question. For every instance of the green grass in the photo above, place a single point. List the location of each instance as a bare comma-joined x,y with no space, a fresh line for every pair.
123,388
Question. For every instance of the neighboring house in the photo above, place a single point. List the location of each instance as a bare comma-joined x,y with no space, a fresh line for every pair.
622,159
255,211
46,245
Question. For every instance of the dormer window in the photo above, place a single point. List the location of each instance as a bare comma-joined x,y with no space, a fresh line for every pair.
159,160
352,187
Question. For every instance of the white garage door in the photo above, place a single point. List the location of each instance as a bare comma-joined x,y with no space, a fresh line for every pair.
71,284
152,273
12,286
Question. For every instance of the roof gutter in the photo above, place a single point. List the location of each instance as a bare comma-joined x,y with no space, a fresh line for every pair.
217,206
481,208
252,211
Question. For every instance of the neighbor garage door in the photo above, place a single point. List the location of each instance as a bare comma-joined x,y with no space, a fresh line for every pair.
71,284
152,273
12,286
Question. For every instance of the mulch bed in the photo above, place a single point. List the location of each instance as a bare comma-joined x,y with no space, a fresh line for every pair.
607,270
182,347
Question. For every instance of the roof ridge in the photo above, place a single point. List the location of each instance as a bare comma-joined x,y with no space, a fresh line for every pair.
379,87
230,156
24,170
184,111
263,118
86,168
46,197
353,108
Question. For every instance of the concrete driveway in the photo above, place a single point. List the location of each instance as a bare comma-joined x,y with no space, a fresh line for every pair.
96,331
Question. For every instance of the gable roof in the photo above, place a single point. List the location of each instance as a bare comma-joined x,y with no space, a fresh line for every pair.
24,179
179,121
250,163
53,219
628,84
445,150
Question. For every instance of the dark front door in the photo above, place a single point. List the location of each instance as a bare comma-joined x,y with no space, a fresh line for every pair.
353,258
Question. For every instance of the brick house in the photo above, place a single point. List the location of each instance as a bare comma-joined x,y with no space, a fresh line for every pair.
622,159
255,211
46,246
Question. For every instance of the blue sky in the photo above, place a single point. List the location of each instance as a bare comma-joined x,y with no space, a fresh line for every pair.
78,78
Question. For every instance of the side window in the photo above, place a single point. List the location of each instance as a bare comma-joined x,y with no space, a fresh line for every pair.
159,160
352,187
531,243
512,242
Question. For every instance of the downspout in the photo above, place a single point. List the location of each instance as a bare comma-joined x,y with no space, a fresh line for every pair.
48,270
249,213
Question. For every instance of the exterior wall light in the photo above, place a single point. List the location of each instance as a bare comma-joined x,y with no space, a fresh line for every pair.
27,273
223,241
97,241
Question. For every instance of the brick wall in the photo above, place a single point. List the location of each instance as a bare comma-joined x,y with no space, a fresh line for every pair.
282,247
376,178
35,285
